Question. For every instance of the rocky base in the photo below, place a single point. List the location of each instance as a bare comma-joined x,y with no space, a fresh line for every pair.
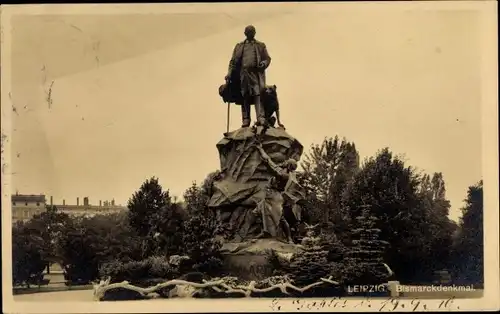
250,260
244,181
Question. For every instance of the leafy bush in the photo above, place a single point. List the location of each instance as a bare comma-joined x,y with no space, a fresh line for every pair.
355,273
312,264
201,246
134,271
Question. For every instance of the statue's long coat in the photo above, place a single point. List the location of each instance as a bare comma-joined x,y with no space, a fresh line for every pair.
259,75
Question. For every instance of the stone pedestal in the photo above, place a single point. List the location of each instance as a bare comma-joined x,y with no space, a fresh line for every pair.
250,260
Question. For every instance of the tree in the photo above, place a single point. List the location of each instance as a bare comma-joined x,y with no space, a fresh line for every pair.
89,242
201,246
440,227
390,190
28,255
196,197
364,262
149,209
50,226
469,246
170,230
327,170
310,265
199,243
118,241
79,249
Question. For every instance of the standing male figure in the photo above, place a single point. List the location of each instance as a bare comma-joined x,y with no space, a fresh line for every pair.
249,61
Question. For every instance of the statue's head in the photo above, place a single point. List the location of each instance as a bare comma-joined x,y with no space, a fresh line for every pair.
250,32
271,90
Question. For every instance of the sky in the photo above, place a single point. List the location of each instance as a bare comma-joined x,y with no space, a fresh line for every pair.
136,95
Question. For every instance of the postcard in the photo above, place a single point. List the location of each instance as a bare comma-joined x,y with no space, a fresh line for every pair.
249,157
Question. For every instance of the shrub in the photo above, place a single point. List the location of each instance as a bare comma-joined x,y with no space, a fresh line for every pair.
364,263
154,267
201,246
312,264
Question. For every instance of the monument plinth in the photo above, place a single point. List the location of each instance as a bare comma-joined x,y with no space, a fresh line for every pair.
249,260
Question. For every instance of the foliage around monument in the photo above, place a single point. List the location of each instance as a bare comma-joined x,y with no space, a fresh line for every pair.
201,246
326,171
28,255
384,182
364,260
156,219
134,271
312,263
393,191
103,238
200,243
468,247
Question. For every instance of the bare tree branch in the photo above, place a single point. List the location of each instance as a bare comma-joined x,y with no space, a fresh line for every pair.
217,285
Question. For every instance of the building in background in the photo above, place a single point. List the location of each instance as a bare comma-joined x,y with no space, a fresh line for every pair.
24,207
87,209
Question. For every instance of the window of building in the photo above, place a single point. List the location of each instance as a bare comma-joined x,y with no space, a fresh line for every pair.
26,203
37,203
13,203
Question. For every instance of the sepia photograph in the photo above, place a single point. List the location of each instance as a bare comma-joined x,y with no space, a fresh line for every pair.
249,157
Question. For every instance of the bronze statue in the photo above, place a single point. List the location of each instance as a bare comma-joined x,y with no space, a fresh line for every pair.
271,106
247,68
271,207
269,101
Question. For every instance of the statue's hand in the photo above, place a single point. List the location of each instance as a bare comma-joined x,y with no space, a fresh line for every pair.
281,125
262,152
262,64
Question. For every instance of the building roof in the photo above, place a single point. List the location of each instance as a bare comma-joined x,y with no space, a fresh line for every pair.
90,207
28,198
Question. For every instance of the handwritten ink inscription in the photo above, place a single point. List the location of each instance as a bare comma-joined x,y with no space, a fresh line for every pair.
387,305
